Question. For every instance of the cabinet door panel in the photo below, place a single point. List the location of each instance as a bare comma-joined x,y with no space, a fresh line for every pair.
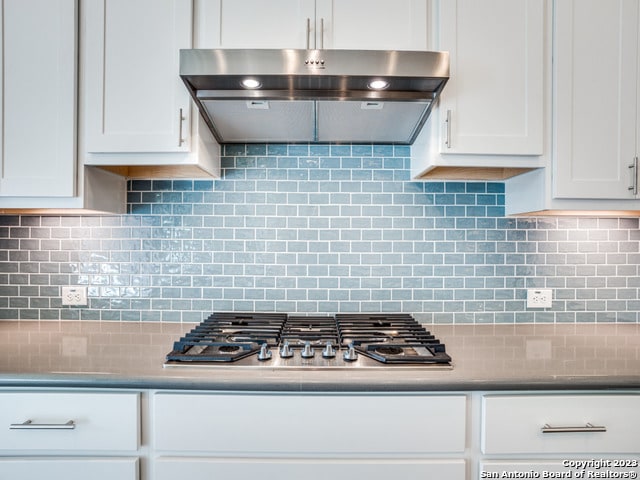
259,24
495,93
38,122
134,95
238,423
596,63
170,468
69,469
373,24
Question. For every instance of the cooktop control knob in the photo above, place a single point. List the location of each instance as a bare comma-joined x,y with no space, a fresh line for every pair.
285,351
329,351
307,351
350,355
265,353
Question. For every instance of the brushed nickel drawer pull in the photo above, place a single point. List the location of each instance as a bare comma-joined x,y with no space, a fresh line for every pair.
587,428
29,425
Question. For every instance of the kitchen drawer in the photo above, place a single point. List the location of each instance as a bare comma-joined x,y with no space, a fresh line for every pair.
516,424
543,468
327,424
70,468
101,421
170,468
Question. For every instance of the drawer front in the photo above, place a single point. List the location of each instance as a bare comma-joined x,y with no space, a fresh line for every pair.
615,468
561,424
100,421
70,468
172,468
341,424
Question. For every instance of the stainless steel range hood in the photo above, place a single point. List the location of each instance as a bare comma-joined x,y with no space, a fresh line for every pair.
314,96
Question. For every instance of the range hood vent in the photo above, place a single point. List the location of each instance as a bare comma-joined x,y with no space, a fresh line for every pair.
314,96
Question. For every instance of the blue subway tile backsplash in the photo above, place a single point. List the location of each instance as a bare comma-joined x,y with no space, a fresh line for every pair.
319,228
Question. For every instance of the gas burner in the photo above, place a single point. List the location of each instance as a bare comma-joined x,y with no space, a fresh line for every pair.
228,348
279,340
389,350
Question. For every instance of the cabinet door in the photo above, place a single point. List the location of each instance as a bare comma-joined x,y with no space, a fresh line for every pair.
38,81
345,24
238,424
493,102
170,468
69,468
372,24
134,98
595,68
257,24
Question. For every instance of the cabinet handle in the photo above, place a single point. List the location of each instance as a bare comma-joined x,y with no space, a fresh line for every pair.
447,141
322,34
182,119
308,32
587,428
29,425
634,185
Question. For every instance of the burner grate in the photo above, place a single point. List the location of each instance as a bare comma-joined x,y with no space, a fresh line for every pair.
388,339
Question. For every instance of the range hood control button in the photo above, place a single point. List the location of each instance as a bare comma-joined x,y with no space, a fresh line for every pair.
285,351
329,351
307,351
265,353
350,355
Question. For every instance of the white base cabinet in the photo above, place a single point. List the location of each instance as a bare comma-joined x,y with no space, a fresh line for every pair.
167,434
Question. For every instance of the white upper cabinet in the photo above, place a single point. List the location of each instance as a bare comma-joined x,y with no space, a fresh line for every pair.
38,101
489,122
258,24
373,24
493,102
134,98
316,24
136,116
596,99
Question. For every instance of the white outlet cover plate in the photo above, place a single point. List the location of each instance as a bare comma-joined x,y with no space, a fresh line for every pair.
539,298
74,296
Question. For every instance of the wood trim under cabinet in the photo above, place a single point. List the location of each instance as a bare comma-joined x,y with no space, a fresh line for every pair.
158,171
472,173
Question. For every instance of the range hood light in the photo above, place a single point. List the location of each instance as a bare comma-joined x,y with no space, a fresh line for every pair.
378,84
250,83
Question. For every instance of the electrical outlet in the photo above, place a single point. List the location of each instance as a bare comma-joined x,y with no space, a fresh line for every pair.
74,296
539,298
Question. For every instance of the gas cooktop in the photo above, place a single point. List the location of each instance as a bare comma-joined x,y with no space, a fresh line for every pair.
279,340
